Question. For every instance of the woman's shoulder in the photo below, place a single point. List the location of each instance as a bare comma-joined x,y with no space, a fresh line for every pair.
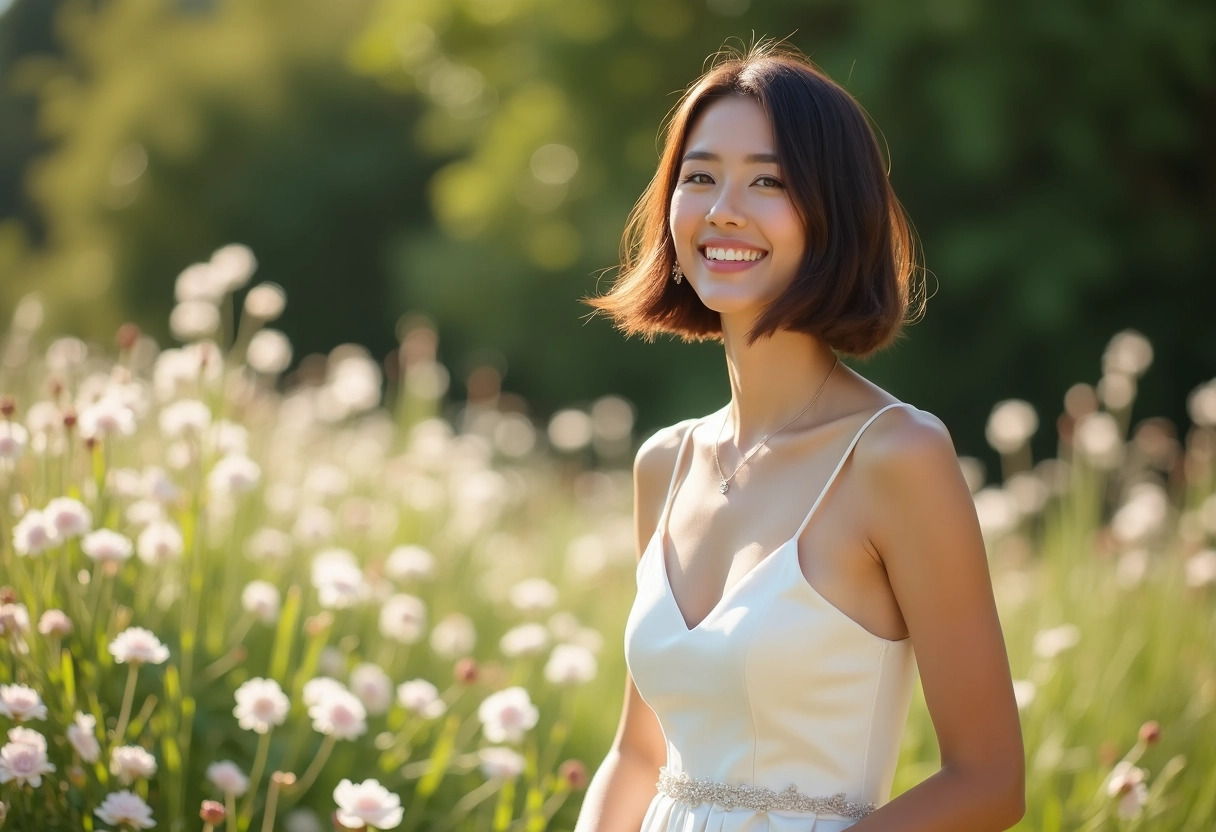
656,457
904,440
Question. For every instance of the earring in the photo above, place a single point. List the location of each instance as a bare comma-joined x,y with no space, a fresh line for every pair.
676,274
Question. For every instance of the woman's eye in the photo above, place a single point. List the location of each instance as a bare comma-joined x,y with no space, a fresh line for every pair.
692,177
772,183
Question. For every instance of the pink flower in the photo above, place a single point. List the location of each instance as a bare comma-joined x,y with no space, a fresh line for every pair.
23,759
339,713
21,703
138,646
130,763
506,715
260,705
227,776
124,807
367,804
82,734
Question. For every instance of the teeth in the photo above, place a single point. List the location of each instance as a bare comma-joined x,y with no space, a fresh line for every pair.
733,254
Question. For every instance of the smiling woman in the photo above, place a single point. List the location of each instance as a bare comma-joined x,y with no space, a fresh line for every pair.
769,675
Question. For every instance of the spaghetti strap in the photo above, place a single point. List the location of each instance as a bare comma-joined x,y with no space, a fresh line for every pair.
839,465
675,475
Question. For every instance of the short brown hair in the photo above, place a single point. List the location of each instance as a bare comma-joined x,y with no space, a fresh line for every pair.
854,288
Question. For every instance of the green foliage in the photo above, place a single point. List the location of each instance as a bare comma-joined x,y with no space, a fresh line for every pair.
475,159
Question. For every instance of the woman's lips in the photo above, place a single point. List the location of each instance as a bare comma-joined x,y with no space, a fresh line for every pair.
730,265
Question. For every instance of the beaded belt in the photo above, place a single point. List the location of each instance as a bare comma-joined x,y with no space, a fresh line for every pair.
687,790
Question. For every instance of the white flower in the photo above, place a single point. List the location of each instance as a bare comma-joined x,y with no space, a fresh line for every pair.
407,562
23,758
524,640
159,542
1024,691
55,623
533,594
453,636
1098,438
1128,352
108,416
234,474
130,763
1126,782
1201,404
367,804
1010,425
421,697
106,546
194,319
269,352
82,734
268,544
138,646
228,437
261,598
570,664
34,533
506,715
260,705
199,281
21,703
500,761
373,687
15,619
265,302
338,579
232,266
320,687
1201,568
70,517
1050,643
403,618
187,417
339,712
13,439
127,808
227,776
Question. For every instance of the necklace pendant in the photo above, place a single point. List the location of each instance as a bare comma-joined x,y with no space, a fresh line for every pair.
724,486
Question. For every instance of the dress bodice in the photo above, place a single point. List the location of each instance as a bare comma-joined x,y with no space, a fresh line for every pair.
775,687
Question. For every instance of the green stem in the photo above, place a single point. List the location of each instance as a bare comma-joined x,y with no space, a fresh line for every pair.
318,762
128,697
255,777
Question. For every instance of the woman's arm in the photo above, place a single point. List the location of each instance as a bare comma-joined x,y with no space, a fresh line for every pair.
926,534
623,786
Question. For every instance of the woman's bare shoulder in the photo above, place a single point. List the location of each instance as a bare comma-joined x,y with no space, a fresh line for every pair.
904,437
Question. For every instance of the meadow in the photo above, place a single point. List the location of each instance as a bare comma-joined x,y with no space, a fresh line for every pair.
232,599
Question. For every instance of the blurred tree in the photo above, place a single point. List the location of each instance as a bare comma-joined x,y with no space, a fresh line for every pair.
477,158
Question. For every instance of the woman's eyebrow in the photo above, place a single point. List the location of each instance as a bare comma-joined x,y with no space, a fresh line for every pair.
714,157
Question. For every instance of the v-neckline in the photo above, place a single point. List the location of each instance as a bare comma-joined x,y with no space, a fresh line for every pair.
727,594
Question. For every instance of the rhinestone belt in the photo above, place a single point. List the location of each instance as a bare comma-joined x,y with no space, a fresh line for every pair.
687,790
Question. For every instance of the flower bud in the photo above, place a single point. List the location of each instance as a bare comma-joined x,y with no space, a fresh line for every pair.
466,670
574,772
127,337
8,595
77,777
7,406
212,812
69,419
1150,732
283,778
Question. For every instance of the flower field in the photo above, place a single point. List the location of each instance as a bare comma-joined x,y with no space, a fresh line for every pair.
232,600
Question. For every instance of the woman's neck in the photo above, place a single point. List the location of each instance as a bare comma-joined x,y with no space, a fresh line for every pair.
772,380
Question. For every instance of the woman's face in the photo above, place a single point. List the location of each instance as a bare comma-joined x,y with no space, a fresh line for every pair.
739,239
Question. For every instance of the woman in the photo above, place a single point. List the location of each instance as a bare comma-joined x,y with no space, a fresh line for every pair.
769,675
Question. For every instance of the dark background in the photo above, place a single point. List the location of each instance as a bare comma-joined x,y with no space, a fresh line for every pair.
380,159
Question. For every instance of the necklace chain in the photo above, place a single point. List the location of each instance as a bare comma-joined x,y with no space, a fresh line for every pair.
724,484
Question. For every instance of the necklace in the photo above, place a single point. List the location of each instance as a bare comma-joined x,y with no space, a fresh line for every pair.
724,484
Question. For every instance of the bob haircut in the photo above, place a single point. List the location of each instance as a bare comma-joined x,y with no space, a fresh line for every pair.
853,288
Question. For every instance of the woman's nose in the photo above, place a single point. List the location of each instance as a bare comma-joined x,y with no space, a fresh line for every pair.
724,210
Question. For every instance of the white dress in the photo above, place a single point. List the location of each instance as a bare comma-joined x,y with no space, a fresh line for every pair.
775,689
